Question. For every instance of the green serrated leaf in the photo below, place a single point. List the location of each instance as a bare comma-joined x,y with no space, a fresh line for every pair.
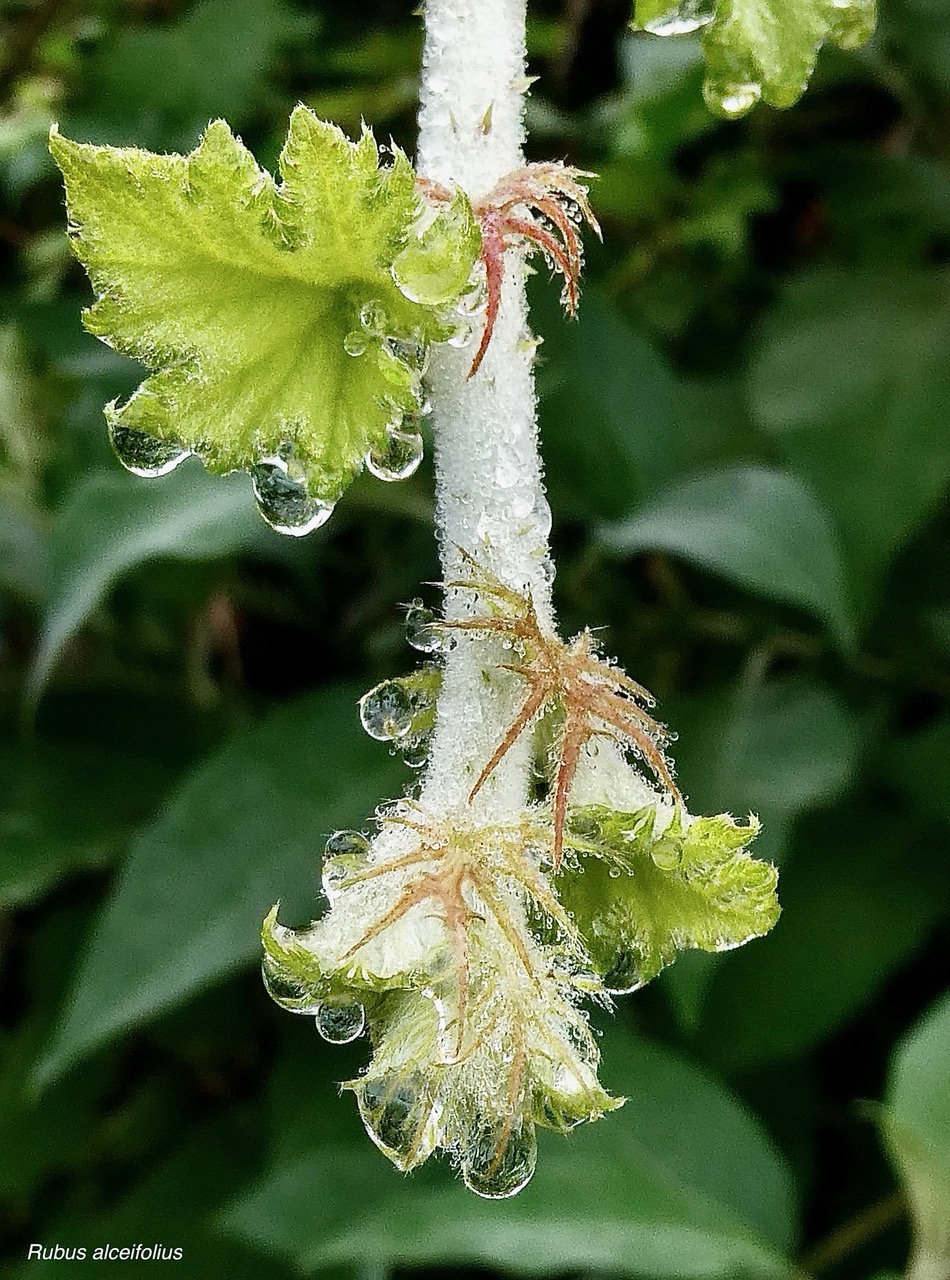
269,312
760,49
640,893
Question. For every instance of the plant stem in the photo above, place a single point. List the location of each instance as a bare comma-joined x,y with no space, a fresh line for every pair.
490,498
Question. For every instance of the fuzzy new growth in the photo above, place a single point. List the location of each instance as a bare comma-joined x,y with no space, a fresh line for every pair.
595,697
460,873
536,208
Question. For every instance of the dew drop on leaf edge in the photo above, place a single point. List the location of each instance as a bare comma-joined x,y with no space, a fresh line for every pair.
143,454
421,632
682,18
284,991
499,1159
283,500
339,1022
399,457
386,711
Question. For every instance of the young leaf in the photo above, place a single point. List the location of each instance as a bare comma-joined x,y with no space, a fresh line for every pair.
638,896
760,49
280,340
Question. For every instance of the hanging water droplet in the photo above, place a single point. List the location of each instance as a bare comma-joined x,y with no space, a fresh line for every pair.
625,974
386,711
288,992
615,873
421,631
681,18
732,99
667,853
144,454
284,502
355,342
339,1022
399,458
399,1117
345,854
499,1158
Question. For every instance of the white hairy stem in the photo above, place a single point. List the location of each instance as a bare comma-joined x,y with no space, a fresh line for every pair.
490,496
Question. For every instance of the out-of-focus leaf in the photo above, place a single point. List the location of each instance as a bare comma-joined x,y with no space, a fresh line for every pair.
113,523
775,749
171,1206
244,826
920,766
215,61
23,566
862,893
65,808
616,422
916,1124
762,528
851,379
680,1182
19,438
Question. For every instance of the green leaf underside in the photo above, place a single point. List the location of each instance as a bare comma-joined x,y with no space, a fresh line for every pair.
239,292
761,49
638,898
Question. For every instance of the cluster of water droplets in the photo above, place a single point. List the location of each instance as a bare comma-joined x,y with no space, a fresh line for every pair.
338,1019
398,456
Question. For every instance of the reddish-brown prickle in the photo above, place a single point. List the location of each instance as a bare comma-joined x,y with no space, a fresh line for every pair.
530,209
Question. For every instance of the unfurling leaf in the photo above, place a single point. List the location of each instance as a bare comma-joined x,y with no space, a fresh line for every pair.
640,891
477,1037
286,323
760,49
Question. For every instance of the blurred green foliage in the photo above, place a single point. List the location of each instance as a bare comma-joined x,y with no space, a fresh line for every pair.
747,443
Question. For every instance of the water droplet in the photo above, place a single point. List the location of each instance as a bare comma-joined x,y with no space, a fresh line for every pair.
586,825
499,1158
461,335
399,458
730,99
386,711
339,1022
336,871
416,754
420,631
346,842
373,318
412,351
144,454
681,18
284,502
399,1117
354,344
286,991
667,853
615,873
625,975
